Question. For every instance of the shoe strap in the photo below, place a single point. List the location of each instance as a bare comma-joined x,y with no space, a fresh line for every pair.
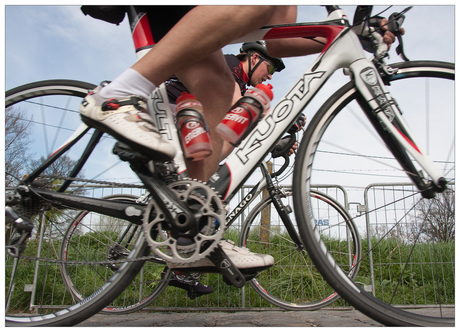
114,104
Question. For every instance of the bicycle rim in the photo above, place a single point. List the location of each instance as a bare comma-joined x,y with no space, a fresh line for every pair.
293,282
411,269
37,295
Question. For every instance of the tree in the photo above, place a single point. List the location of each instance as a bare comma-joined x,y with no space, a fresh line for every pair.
437,216
19,161
16,144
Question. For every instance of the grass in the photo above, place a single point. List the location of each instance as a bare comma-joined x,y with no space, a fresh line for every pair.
418,284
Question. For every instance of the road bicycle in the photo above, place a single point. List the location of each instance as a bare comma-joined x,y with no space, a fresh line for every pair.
176,204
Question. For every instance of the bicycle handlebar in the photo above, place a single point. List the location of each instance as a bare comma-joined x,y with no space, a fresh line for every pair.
370,32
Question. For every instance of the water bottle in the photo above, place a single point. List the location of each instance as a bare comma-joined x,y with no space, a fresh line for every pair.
245,114
193,131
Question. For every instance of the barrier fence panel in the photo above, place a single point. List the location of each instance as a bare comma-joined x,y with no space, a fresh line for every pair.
424,272
431,262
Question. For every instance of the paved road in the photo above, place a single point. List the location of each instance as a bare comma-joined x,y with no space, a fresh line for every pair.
325,317
273,318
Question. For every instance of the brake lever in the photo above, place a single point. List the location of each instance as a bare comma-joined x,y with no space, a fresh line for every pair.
400,49
395,22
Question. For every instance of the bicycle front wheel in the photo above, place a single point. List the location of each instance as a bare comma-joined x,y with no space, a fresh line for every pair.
294,283
408,255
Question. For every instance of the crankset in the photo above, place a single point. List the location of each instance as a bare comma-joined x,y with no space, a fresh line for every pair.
197,242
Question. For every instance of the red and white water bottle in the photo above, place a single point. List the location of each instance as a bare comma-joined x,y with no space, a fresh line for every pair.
245,114
193,131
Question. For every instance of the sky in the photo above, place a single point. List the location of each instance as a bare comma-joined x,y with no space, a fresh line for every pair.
55,42
59,42
50,42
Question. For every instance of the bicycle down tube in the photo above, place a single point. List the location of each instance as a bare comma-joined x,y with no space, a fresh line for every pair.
341,50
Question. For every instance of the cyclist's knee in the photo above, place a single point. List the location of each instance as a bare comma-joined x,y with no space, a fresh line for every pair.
271,14
255,16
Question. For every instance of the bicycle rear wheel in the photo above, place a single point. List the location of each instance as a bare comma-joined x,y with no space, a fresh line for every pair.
294,283
41,116
411,266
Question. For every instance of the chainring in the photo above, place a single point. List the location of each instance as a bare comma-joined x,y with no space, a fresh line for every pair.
173,247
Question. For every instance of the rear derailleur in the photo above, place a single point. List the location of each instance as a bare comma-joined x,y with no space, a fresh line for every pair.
23,227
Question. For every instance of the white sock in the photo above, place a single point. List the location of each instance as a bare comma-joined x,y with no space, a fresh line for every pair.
129,83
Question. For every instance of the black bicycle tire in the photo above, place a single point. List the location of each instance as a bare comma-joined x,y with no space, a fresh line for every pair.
320,303
86,308
35,89
131,307
352,293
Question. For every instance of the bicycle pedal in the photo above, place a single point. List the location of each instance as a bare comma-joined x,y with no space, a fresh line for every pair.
249,276
126,153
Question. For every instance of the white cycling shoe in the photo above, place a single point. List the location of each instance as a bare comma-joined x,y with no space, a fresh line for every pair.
129,122
241,257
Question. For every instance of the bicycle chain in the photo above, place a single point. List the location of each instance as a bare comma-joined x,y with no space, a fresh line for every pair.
112,184
107,262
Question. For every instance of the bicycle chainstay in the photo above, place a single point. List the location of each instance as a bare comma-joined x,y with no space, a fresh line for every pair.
19,243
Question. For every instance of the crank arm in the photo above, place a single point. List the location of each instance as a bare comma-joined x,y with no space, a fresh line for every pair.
177,213
227,268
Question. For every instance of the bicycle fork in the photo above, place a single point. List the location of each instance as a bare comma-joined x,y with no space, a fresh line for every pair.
384,114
